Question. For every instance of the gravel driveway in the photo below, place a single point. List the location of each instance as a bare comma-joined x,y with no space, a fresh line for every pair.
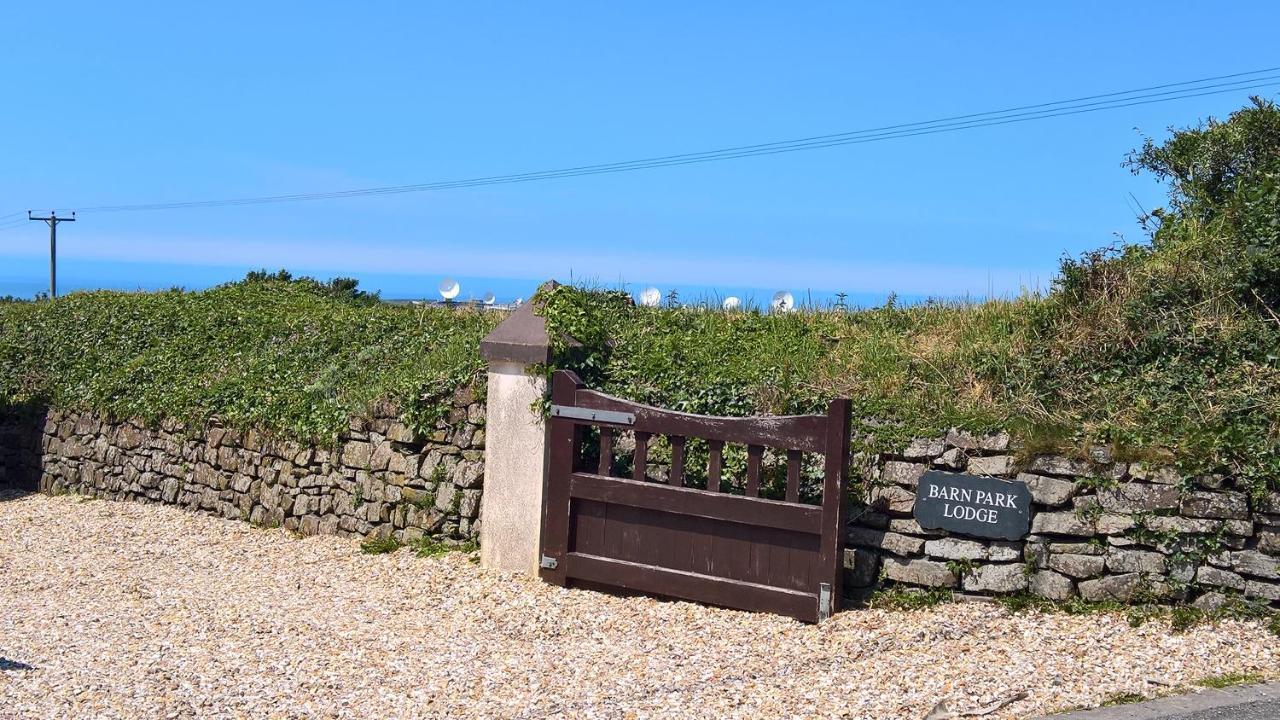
121,610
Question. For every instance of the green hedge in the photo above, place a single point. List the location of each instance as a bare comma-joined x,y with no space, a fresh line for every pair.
1167,351
295,358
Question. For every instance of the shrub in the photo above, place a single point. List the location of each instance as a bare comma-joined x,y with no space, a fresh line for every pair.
292,357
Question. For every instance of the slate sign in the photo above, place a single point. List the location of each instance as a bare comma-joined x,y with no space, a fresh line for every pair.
971,505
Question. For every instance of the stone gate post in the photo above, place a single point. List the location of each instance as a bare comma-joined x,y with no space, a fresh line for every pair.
515,444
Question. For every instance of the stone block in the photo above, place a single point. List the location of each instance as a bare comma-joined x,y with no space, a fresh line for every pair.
1048,491
919,572
952,459
924,448
1005,551
995,465
444,497
1138,497
356,454
1256,564
1122,588
888,541
893,499
1076,548
1184,526
1051,585
1223,504
1269,541
996,579
1060,465
1120,560
380,456
470,505
1164,474
998,442
1061,523
1266,591
902,473
951,548
1270,503
1076,566
1209,575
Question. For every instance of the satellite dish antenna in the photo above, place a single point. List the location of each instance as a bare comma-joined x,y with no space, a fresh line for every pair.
650,297
518,302
731,303
449,289
488,298
783,301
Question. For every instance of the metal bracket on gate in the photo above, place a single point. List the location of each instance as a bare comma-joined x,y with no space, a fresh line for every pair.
548,562
824,601
606,416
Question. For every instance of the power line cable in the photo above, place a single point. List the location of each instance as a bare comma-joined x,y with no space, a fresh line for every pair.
1025,113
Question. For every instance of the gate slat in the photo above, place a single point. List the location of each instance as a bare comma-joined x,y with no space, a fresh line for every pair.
693,586
793,475
714,462
754,454
606,451
640,464
676,476
698,503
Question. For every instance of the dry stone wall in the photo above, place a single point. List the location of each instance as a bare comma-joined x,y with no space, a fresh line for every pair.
1101,530
380,480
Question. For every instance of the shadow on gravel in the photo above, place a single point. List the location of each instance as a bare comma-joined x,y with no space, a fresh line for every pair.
6,664
21,434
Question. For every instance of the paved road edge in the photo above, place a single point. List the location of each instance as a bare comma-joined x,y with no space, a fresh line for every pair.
1179,704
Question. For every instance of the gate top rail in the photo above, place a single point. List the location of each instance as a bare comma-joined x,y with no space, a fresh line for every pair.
807,433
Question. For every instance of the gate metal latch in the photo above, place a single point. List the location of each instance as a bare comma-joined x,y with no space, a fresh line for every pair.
548,562
604,416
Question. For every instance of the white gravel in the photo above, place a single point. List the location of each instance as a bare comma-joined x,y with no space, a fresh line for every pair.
115,610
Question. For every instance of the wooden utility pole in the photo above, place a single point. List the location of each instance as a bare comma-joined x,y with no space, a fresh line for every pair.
53,221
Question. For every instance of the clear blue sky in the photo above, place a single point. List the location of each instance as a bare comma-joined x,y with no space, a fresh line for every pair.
134,102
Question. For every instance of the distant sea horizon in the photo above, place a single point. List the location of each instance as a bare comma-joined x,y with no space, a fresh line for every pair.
81,276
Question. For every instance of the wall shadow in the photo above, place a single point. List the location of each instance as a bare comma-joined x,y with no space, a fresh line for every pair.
21,437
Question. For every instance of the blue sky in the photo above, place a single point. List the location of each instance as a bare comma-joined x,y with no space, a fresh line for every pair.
138,102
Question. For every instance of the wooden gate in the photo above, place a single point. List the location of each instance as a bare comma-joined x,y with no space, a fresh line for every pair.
738,551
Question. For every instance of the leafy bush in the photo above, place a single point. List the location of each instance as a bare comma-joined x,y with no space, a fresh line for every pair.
1165,350
291,357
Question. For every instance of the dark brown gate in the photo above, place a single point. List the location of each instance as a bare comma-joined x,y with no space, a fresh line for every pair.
739,551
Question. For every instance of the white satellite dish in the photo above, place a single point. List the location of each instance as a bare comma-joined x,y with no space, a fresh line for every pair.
731,303
488,298
783,301
650,297
518,302
449,288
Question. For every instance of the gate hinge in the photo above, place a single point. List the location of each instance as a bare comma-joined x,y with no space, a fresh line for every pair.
824,601
548,562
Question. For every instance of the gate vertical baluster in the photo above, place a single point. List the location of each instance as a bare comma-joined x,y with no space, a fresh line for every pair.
714,463
606,451
676,476
641,462
793,475
754,454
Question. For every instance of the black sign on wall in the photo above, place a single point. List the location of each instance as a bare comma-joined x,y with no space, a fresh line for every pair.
971,505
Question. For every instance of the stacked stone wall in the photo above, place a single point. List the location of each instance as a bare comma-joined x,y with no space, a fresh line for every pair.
380,480
1101,530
